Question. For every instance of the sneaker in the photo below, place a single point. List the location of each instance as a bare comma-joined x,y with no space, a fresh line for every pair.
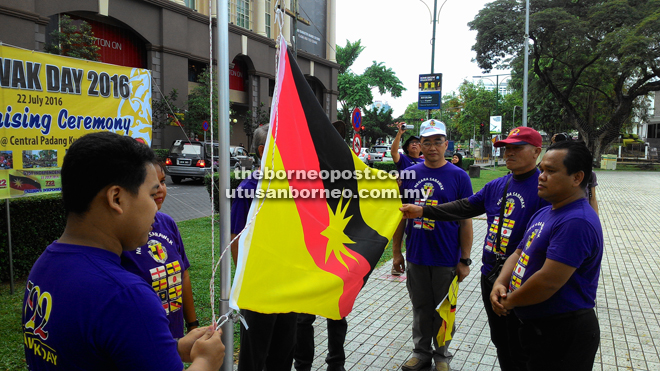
415,364
395,272
442,366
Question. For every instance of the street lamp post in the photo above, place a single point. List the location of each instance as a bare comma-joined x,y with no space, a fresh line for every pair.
526,69
435,15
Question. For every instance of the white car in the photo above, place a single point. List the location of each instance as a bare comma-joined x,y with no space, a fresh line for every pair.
363,155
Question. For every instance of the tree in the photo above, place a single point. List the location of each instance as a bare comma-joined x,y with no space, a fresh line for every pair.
199,104
354,89
192,113
596,59
73,41
478,104
378,123
164,111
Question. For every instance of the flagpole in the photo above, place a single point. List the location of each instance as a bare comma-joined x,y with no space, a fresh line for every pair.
223,177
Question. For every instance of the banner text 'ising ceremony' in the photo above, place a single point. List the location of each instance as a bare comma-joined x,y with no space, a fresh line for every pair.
48,101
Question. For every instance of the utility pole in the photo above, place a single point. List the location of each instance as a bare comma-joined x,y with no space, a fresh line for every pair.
435,21
526,72
295,15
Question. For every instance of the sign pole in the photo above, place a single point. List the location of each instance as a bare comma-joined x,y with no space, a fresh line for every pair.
11,258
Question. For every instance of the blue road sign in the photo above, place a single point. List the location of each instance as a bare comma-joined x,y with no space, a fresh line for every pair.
356,118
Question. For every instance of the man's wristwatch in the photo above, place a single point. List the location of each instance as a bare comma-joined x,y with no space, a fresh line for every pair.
467,261
192,324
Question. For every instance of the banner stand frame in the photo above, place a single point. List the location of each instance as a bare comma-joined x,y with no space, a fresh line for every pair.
11,259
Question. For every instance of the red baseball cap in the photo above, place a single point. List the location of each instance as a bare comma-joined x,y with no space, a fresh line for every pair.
522,135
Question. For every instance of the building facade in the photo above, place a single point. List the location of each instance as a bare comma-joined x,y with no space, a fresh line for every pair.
171,38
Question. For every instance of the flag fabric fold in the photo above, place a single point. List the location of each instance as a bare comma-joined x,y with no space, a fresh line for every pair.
321,229
447,311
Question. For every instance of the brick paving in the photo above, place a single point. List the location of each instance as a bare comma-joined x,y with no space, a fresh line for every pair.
628,301
628,306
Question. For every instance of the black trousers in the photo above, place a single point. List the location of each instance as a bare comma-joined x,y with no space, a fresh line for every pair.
269,342
564,342
304,353
503,333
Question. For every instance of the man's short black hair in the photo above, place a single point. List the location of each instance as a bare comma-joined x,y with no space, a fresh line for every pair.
578,158
98,160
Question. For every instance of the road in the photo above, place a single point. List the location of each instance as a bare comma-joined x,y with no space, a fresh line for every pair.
187,200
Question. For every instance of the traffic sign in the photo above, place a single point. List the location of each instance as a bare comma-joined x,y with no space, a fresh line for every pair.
356,119
357,144
205,126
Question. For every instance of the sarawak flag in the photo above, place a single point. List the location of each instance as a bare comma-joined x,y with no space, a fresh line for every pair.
312,253
22,183
447,311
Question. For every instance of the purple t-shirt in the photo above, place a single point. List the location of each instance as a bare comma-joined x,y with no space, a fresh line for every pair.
240,206
431,242
161,263
83,311
522,201
571,235
406,161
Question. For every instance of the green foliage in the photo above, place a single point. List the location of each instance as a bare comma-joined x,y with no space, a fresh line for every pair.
592,62
385,165
35,223
161,154
355,90
198,104
193,112
377,123
162,110
72,40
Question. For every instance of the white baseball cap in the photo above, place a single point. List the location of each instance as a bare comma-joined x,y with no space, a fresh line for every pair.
432,130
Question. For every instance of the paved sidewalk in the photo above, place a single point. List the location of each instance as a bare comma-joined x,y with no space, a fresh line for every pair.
628,305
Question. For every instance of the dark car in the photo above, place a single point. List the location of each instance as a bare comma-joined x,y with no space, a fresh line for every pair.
240,158
190,159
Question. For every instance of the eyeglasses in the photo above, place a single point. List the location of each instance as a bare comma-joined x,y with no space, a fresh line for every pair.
437,143
414,142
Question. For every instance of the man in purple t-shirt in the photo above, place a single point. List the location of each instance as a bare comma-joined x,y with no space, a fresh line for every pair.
270,341
436,251
522,148
550,281
82,310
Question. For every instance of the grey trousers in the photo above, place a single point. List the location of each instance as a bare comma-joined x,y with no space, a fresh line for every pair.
427,286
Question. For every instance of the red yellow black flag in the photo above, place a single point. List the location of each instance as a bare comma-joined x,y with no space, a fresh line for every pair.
321,229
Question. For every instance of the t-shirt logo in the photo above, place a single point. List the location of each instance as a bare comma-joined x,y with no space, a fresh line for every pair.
157,251
38,307
508,208
428,188
530,240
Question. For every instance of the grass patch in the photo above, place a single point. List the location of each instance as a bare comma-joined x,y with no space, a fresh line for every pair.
486,175
12,356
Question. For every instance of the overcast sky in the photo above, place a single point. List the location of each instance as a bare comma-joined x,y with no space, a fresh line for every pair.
398,33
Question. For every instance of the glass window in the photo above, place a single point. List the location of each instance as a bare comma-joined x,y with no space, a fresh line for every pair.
239,13
269,11
187,149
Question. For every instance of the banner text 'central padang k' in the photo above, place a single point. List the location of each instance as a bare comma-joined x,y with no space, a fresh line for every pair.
48,101
311,254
